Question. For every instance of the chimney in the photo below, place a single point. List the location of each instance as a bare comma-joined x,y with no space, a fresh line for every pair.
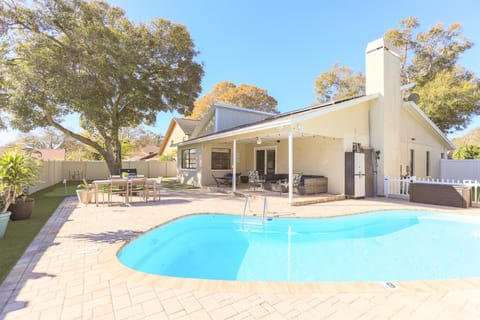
382,68
382,76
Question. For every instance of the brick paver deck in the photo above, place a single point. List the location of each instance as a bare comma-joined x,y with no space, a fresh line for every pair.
70,271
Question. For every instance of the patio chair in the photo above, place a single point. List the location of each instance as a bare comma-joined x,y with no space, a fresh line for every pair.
152,187
221,181
137,187
118,187
254,179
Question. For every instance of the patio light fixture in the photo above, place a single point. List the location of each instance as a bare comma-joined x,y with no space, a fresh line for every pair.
259,140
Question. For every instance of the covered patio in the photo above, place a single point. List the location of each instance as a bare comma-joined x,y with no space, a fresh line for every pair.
298,143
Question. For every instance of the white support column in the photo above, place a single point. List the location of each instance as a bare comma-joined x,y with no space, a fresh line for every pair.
290,167
234,166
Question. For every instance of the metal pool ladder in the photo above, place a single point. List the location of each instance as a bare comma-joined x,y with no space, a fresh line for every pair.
247,205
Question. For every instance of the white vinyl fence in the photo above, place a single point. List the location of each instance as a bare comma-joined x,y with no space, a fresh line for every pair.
399,187
53,172
460,169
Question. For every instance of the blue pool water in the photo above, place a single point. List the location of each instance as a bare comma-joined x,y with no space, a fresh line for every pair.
377,246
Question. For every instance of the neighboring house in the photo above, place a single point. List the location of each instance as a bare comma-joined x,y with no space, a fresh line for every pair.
179,130
143,153
43,154
395,134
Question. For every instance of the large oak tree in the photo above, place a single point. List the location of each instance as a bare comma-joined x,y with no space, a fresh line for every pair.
86,57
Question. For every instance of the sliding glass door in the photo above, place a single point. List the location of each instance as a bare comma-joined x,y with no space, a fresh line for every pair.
265,160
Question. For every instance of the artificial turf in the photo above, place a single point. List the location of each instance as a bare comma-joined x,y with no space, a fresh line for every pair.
20,233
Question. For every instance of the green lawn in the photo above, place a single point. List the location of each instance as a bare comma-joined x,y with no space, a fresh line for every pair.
172,184
21,232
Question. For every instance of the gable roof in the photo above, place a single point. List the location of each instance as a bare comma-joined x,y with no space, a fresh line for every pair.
215,106
419,114
187,126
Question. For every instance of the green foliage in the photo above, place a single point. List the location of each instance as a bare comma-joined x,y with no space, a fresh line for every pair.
85,57
338,83
47,139
449,94
449,100
18,171
172,156
244,95
467,151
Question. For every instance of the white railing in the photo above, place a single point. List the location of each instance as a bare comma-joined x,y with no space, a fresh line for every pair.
399,187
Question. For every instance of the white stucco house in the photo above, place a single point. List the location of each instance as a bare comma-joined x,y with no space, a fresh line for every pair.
396,137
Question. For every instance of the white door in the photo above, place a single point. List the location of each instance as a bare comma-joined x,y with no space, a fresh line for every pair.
359,175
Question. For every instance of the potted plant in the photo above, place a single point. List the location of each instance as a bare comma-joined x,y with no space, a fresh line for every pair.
4,216
83,194
18,171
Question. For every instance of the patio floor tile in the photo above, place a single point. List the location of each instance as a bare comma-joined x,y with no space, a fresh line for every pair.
80,277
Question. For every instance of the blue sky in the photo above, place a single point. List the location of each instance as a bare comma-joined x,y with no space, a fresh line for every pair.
282,46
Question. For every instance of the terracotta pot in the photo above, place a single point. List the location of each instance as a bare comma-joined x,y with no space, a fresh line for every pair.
22,210
4,218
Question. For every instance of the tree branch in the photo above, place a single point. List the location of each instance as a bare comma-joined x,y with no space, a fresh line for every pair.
74,135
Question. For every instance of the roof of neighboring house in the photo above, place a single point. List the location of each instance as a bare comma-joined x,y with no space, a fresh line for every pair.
187,126
43,154
144,153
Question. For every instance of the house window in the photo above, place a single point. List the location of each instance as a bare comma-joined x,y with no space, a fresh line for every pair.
412,162
427,163
221,159
189,159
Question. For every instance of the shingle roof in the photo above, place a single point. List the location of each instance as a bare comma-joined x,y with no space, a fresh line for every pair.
187,125
284,115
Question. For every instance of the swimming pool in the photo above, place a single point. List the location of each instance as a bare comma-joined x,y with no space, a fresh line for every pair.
376,246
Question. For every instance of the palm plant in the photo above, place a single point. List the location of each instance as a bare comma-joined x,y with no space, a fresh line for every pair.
18,171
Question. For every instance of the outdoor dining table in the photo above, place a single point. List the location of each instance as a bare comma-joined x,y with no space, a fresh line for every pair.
127,185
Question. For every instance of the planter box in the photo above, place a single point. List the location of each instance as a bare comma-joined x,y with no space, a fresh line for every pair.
312,185
440,194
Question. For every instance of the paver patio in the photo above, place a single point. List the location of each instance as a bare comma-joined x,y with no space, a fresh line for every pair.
70,271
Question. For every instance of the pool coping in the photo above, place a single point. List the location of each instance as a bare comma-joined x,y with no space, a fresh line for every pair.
110,263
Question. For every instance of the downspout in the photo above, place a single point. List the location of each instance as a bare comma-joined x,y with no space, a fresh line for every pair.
369,129
234,166
290,167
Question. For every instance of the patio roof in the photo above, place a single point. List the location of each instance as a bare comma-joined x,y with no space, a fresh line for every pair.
285,119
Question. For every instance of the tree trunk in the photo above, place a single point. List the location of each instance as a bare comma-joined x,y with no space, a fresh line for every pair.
114,166
113,157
